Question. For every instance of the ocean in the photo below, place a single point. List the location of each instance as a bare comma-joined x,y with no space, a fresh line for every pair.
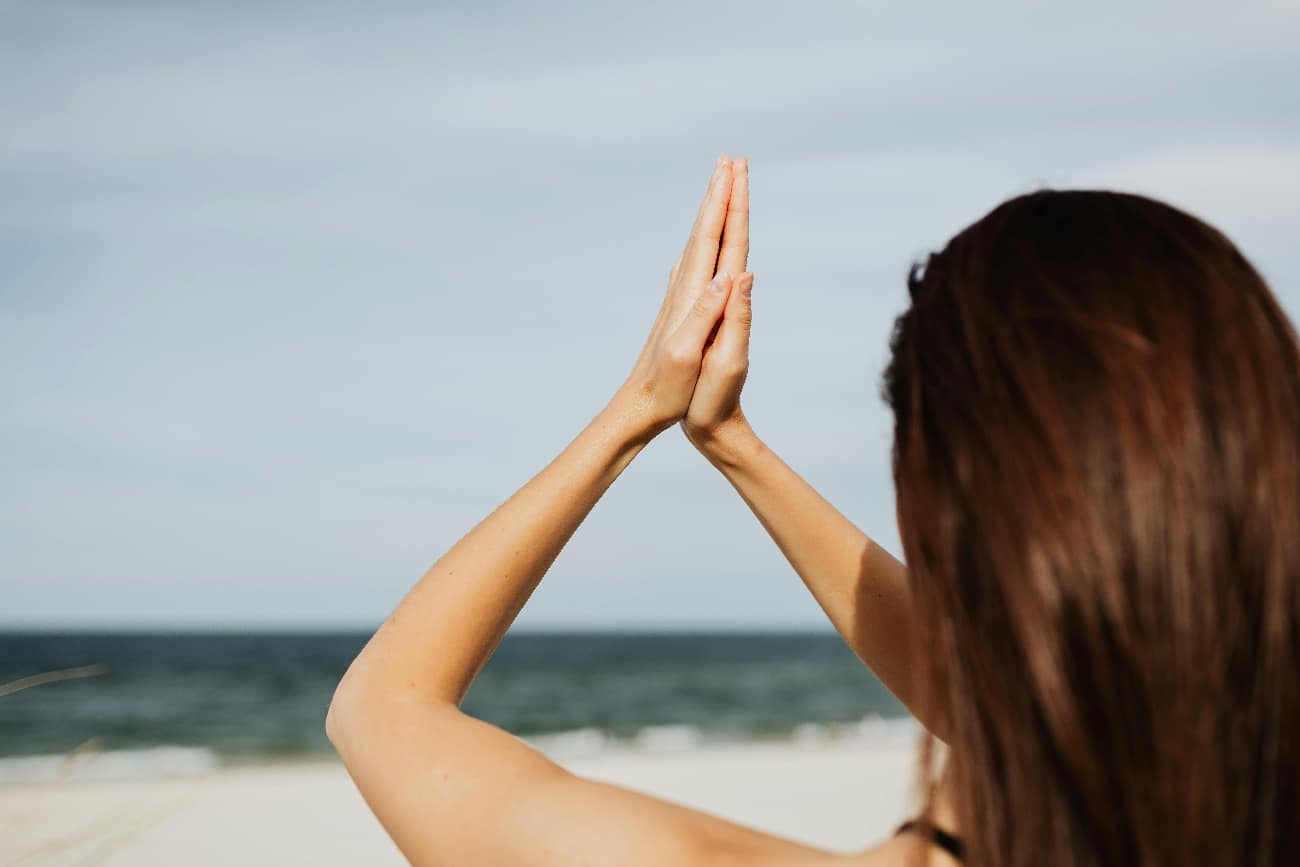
175,702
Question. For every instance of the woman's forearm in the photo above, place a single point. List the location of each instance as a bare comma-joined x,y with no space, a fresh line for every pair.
441,634
861,586
433,645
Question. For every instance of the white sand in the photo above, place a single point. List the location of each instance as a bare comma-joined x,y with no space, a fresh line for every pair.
842,796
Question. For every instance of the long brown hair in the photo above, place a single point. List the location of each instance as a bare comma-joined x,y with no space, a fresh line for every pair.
1097,467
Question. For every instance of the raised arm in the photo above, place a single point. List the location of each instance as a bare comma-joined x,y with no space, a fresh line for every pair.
861,586
453,790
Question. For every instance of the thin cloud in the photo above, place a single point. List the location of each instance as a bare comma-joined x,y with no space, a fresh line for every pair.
294,296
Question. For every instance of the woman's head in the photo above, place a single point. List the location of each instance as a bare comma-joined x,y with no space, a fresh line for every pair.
1097,466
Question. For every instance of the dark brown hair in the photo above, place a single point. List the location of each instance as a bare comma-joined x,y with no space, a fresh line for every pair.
1097,467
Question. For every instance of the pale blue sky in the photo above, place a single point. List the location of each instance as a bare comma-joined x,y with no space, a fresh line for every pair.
291,295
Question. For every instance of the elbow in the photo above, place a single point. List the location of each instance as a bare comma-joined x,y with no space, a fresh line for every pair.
333,725
362,705
340,717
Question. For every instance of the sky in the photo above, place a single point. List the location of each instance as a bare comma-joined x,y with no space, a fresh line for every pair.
292,295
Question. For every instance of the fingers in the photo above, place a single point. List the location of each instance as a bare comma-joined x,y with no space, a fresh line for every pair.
701,255
735,231
731,347
704,313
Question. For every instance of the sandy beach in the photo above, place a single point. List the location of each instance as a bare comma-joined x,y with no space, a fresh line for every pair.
841,796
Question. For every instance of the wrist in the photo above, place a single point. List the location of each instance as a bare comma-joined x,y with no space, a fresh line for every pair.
629,417
727,445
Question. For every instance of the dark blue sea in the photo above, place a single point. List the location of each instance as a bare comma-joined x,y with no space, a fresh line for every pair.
228,698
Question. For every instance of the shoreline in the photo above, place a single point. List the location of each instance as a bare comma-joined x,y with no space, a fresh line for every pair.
90,761
843,796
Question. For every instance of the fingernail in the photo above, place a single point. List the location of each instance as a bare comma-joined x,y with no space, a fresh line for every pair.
746,285
719,283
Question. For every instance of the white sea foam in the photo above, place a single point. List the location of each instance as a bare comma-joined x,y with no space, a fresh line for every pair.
667,739
886,732
571,744
870,731
811,734
109,765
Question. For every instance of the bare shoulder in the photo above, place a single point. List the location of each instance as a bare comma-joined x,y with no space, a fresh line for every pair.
729,845
905,851
759,850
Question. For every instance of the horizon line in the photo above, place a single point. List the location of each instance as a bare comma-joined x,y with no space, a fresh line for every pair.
228,628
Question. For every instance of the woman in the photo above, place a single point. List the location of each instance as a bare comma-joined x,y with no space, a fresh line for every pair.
1097,419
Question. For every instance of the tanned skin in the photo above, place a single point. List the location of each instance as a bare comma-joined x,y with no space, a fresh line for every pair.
453,790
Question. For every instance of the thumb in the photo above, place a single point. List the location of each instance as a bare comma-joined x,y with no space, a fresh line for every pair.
731,347
705,311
